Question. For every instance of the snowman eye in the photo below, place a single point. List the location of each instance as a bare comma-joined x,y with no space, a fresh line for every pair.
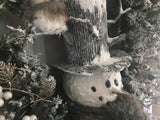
116,82
93,89
100,98
108,84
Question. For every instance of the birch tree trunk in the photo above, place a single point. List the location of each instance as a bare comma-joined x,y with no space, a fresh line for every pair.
87,23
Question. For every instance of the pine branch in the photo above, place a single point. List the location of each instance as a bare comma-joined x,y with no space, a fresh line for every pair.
6,71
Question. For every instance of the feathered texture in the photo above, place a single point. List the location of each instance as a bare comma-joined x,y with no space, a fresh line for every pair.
50,17
51,9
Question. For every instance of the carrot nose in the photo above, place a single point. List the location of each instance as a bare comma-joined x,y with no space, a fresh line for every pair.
123,94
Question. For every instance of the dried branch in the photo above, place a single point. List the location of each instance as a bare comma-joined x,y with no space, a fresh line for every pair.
29,93
121,12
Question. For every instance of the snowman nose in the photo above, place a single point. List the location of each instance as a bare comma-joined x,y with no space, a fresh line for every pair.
122,93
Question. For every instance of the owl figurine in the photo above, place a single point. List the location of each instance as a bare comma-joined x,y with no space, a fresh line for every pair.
50,17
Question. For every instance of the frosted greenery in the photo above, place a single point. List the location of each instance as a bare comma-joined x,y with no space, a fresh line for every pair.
30,79
30,82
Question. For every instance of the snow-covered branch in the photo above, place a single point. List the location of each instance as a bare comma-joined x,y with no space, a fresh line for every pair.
16,29
93,27
80,20
115,40
121,12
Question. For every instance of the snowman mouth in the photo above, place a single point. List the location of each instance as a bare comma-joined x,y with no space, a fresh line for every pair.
123,94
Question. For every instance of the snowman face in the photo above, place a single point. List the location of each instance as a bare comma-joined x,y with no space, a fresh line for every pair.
94,90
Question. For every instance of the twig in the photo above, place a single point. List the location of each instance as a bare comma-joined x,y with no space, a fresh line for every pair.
121,12
29,93
42,99
16,29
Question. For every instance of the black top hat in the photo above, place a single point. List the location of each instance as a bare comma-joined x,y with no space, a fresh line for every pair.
89,53
87,56
118,64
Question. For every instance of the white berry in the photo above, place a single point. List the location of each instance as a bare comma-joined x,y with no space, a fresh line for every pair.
7,95
1,89
20,104
1,103
33,117
2,117
26,117
12,115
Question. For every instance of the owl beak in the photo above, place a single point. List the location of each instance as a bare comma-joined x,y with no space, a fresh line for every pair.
122,93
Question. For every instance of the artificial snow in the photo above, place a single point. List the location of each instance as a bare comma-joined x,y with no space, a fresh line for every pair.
91,4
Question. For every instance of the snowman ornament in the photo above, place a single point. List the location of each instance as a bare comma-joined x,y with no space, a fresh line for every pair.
95,90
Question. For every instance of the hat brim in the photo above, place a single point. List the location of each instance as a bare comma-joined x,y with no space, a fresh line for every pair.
91,69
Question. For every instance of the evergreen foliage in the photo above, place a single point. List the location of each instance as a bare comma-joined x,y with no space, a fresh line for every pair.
32,84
